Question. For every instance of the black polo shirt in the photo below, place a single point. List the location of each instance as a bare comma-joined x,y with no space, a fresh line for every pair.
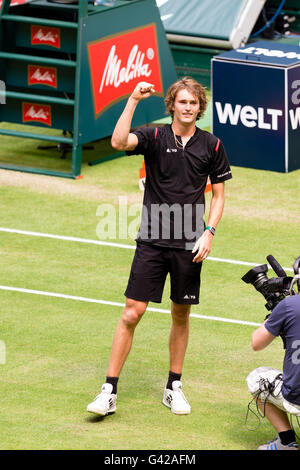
176,178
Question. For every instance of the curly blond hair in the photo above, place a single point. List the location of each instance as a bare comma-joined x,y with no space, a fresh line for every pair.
191,85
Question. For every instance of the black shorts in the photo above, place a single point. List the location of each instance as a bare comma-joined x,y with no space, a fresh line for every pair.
150,267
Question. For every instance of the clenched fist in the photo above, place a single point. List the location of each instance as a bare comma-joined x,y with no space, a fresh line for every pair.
142,91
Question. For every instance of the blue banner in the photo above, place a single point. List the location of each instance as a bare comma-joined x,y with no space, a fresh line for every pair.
249,113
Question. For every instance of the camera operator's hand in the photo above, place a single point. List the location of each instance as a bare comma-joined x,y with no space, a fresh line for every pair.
203,246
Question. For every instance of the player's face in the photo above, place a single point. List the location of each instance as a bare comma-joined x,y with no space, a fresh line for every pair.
186,107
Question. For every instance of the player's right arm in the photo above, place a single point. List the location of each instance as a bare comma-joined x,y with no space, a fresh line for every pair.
122,138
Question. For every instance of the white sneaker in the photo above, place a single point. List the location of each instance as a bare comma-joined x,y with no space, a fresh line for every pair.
105,402
176,400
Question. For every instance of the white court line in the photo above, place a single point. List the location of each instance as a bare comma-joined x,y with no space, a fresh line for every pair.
62,237
116,245
118,304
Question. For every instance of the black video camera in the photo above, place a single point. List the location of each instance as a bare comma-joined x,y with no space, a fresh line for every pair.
274,289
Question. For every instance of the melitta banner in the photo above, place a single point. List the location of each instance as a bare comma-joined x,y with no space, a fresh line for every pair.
45,36
117,63
120,47
36,112
40,75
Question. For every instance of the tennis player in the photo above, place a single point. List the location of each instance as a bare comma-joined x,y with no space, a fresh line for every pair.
173,237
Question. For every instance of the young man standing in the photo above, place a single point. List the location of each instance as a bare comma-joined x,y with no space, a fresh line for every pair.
172,238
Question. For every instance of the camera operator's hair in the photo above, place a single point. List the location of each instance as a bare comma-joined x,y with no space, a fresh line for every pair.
189,84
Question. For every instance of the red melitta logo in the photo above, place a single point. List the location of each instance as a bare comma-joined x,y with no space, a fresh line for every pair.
36,112
119,62
39,75
45,36
15,2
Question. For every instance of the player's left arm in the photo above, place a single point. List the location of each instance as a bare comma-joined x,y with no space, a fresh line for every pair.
203,244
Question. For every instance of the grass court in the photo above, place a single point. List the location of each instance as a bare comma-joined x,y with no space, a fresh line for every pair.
61,300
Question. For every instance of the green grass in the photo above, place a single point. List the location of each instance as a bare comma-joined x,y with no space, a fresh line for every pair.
57,350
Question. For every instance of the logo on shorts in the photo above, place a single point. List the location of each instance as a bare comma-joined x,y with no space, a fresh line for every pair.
189,297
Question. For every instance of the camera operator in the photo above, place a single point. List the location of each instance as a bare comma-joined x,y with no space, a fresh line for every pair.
276,393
